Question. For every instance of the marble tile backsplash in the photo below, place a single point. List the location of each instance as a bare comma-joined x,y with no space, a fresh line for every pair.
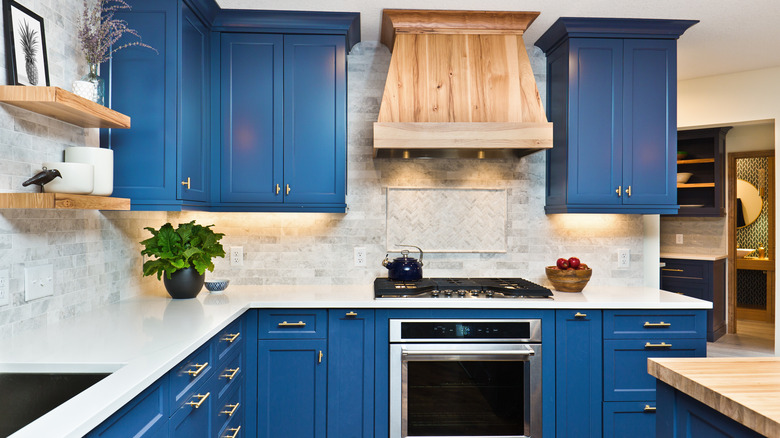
96,254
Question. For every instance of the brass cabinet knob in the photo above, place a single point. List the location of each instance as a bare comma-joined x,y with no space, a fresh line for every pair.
278,189
628,191
619,191
186,183
287,191
351,314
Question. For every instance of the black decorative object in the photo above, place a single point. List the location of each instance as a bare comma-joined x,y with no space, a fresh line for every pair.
42,177
184,283
25,38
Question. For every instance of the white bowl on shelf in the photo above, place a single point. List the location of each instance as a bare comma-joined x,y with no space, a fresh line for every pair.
102,159
742,252
77,178
683,177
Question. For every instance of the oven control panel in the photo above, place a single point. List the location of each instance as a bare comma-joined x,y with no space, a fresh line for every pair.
465,330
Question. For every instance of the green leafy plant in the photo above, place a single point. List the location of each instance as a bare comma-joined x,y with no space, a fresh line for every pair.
189,245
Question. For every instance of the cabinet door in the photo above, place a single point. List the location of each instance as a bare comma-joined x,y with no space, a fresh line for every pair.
650,122
143,86
351,373
144,416
578,379
191,421
314,119
595,121
251,118
629,419
193,143
291,377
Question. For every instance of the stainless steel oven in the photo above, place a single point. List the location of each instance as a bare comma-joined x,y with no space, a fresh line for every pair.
465,378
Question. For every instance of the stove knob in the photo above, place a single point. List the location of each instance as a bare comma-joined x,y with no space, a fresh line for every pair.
435,293
461,293
447,292
474,292
489,294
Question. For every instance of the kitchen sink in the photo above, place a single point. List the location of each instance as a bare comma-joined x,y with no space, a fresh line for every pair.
24,397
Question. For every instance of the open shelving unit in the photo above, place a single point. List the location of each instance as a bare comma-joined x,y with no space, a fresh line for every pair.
63,105
703,195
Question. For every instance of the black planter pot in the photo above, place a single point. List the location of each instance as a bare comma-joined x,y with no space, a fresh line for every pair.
184,283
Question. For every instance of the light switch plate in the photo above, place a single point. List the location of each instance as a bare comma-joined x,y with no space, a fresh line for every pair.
38,282
5,293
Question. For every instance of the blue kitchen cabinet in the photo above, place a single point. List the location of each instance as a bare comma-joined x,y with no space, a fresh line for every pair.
194,417
283,123
578,378
612,100
144,416
630,419
160,163
351,373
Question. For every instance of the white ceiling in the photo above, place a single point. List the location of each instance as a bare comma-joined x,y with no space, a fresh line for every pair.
736,35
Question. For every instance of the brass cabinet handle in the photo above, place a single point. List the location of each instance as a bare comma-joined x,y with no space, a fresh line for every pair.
580,315
186,183
619,191
628,191
672,270
235,432
231,411
319,359
231,337
199,367
292,324
351,314
287,191
278,189
649,409
201,397
661,345
649,324
230,373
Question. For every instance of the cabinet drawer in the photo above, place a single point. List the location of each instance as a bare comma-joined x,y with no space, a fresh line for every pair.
229,373
695,269
187,377
287,324
656,324
228,408
634,419
230,339
625,364
145,415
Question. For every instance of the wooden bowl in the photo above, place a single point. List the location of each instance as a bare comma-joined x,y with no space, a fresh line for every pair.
573,280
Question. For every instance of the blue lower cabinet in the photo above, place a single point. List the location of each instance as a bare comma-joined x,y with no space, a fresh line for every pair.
292,382
351,373
145,416
195,417
578,378
629,419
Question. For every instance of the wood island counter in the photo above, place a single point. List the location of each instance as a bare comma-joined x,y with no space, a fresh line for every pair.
716,397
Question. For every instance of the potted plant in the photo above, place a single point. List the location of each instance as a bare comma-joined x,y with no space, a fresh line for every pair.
182,255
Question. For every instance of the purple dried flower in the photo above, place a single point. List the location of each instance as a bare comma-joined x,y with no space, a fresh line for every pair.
99,31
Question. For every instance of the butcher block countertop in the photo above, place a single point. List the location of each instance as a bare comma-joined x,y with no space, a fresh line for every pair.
745,389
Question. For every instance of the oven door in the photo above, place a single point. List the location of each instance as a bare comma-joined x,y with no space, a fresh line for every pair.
465,390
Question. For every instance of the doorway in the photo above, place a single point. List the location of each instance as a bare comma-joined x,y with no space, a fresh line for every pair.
751,244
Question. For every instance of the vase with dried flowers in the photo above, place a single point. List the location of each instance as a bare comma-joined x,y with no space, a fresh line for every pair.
99,35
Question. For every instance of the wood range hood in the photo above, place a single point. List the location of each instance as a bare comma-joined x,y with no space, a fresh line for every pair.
460,85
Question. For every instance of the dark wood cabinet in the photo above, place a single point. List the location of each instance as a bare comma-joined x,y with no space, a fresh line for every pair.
702,279
701,152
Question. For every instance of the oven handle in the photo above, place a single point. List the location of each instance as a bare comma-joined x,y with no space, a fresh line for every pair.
500,355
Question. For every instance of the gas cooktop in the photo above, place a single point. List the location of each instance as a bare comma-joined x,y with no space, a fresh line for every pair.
460,288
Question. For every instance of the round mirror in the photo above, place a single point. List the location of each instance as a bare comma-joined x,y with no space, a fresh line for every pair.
749,199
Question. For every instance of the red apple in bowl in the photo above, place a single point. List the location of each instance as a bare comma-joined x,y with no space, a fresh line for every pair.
574,262
562,263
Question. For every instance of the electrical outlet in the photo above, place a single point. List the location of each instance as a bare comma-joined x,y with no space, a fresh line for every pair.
678,238
5,294
38,282
236,256
360,256
624,258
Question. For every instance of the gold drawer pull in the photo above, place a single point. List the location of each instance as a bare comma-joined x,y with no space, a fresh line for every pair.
619,191
230,373
200,367
628,191
231,337
351,314
672,270
649,324
292,324
235,432
277,189
232,409
661,345
319,359
649,409
580,315
202,398
287,191
186,183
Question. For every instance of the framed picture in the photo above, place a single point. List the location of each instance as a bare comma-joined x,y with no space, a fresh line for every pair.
25,45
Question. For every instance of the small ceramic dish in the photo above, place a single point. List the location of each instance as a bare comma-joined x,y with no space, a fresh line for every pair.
217,286
683,177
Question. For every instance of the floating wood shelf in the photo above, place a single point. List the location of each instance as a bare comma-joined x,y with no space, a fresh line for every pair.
695,185
63,105
696,161
62,201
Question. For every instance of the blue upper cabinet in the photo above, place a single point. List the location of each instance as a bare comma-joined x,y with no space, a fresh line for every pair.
611,95
159,163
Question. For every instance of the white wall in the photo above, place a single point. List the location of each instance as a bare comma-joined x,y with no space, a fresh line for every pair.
734,98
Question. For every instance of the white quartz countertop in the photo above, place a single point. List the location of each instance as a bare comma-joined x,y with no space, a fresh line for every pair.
138,340
687,256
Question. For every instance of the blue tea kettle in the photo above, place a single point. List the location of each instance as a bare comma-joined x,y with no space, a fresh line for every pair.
404,268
